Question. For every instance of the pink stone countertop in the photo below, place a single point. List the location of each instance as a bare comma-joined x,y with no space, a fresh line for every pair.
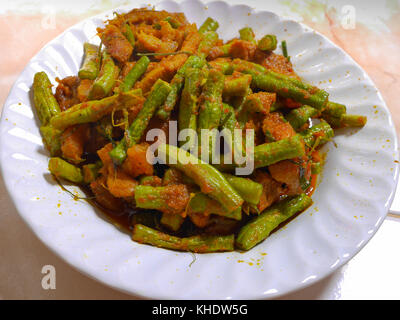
372,39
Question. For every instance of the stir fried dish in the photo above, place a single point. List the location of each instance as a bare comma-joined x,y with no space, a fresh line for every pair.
156,70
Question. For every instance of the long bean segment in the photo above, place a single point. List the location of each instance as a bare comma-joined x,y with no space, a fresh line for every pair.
187,117
209,179
269,153
210,39
299,117
333,113
92,111
105,81
201,203
267,43
62,169
317,135
197,244
46,107
45,103
260,227
352,120
248,189
51,139
135,73
156,98
91,63
128,33
210,111
162,198
247,34
283,85
209,25
172,221
176,85
237,85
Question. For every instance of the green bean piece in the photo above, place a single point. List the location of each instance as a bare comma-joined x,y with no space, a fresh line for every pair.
352,120
209,179
135,73
51,139
225,67
62,169
252,104
299,117
91,62
210,39
201,203
105,81
284,50
45,103
128,33
247,34
209,25
197,244
237,86
210,111
283,85
176,85
172,221
269,153
317,135
92,111
91,171
260,227
187,117
249,190
170,177
174,24
230,123
156,98
267,43
333,113
158,198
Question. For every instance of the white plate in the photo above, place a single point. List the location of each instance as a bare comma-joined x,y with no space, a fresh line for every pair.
351,201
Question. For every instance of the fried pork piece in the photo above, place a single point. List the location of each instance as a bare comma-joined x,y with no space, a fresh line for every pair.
177,197
104,155
150,43
272,189
235,49
274,62
119,184
275,127
84,89
199,219
266,99
242,49
117,45
143,15
169,65
67,92
136,163
153,181
104,197
295,174
73,141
